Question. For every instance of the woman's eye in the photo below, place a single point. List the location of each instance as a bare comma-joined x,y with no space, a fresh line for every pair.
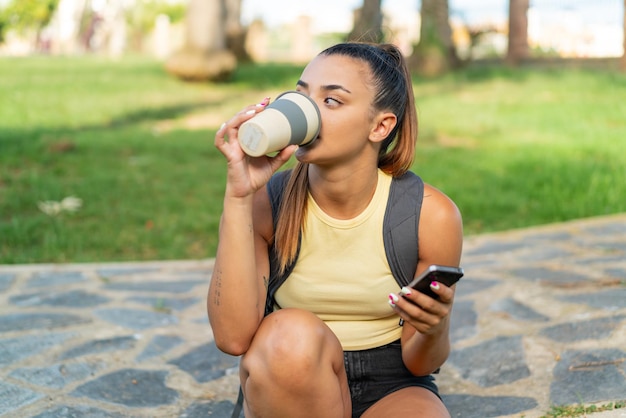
331,101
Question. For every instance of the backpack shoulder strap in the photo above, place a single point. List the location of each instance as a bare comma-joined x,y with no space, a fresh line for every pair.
400,226
238,405
275,188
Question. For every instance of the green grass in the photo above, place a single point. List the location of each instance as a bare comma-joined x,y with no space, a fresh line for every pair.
582,410
513,148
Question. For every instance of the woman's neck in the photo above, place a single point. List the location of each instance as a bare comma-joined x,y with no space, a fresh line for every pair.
344,192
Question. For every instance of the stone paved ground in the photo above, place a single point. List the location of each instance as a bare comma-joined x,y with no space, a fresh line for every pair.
539,320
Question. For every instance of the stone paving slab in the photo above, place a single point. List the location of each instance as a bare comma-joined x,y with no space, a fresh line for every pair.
539,320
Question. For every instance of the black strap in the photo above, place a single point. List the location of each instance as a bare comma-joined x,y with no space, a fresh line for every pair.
275,188
238,405
400,226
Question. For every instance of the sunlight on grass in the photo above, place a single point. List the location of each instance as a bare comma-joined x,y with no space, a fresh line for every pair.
513,148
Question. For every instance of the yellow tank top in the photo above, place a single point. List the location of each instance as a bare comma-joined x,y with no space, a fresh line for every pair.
342,274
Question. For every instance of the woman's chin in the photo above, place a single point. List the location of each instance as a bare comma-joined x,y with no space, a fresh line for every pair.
301,154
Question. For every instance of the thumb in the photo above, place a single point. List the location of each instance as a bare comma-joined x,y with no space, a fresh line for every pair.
283,156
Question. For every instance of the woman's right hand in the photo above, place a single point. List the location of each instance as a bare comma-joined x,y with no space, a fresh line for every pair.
247,174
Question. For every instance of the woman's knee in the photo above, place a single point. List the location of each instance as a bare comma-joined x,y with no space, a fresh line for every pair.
291,342
294,367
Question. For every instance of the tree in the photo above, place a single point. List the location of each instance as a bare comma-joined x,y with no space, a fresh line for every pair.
518,32
142,16
235,32
435,53
368,21
28,15
204,57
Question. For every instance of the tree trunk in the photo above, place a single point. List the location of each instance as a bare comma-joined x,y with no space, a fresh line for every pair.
235,32
204,56
435,53
368,21
518,32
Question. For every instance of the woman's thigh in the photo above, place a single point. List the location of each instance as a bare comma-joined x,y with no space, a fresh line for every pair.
411,402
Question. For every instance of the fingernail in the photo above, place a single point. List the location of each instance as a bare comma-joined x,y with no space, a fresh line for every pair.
406,291
393,299
434,285
264,102
251,112
222,127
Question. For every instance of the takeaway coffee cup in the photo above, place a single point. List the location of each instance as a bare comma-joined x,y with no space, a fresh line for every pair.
293,118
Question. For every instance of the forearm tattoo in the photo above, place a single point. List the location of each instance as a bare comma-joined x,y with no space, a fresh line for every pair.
217,293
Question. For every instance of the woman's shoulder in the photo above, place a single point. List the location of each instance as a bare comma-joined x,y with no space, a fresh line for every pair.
438,208
437,204
440,228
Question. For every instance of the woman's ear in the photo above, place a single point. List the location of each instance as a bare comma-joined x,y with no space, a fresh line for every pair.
383,124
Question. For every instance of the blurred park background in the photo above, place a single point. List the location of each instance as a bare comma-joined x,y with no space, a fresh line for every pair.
108,110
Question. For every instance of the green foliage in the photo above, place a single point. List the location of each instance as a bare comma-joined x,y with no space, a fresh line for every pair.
142,16
24,15
512,147
572,411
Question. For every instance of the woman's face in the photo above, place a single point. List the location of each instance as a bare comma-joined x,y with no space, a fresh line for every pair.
339,86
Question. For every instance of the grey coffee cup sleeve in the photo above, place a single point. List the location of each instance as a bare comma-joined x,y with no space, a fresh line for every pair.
296,118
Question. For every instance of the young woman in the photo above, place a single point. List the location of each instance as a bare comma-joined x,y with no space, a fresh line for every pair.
333,346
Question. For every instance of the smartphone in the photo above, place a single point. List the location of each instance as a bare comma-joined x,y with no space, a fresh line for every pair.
442,274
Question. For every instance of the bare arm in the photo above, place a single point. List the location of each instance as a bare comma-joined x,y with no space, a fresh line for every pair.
236,297
425,337
236,294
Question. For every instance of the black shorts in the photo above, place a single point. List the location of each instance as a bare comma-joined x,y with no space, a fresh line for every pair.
377,372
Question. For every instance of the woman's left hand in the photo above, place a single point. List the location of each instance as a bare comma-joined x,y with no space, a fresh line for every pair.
427,315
